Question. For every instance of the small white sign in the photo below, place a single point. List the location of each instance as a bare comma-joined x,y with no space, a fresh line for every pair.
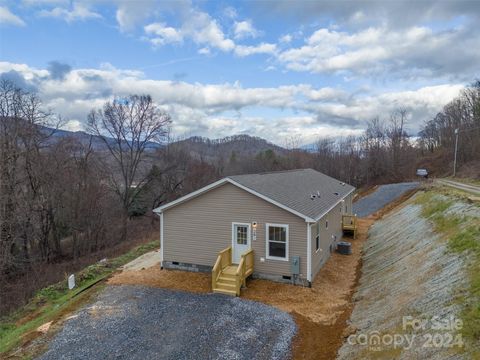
71,282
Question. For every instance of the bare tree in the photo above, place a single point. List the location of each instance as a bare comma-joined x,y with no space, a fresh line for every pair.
128,126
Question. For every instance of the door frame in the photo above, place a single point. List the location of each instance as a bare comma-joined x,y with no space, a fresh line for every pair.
249,236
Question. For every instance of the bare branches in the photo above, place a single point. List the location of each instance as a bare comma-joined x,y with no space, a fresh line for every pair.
128,127
463,113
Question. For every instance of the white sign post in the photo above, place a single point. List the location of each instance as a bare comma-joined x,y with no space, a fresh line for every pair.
71,282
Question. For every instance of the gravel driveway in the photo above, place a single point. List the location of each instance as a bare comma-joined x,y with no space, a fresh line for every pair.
136,322
381,197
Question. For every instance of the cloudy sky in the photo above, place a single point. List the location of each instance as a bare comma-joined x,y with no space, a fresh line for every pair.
274,69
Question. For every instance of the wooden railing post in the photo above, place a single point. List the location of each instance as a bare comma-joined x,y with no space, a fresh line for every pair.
224,259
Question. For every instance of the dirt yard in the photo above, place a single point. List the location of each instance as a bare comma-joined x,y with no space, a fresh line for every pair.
321,312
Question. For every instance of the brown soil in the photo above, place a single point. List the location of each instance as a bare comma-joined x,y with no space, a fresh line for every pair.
320,312
171,279
336,282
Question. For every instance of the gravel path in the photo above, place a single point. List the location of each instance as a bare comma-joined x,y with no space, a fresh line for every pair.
474,189
381,197
136,322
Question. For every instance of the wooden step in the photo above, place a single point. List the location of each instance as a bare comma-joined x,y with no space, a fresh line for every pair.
226,285
225,291
226,279
230,270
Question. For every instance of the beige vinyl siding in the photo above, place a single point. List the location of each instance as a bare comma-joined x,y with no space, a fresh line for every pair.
196,230
334,218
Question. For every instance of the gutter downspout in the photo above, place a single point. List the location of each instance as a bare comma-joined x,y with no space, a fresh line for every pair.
161,239
309,255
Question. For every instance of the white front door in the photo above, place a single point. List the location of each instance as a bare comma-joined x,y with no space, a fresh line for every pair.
240,240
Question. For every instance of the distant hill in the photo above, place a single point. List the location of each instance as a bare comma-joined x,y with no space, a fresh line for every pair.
239,145
196,146
85,138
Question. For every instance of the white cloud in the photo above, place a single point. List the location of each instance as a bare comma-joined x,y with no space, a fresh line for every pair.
45,2
197,26
206,32
8,18
417,51
74,125
163,34
263,48
130,13
217,110
286,38
78,12
230,12
244,29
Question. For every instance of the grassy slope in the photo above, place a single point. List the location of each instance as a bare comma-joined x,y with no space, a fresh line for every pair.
52,301
463,236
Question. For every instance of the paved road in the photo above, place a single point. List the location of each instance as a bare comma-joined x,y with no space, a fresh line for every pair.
381,197
461,186
136,322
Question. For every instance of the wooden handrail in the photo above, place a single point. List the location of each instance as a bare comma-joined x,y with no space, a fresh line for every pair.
239,275
224,259
349,223
216,271
351,218
244,268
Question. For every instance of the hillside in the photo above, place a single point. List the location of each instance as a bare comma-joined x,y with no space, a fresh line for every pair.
237,145
84,138
425,271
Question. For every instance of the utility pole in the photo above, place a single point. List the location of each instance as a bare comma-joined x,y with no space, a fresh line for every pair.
455,157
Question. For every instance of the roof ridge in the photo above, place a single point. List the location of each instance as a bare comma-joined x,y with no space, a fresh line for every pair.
272,172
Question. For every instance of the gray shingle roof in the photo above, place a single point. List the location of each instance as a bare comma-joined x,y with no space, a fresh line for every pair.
294,189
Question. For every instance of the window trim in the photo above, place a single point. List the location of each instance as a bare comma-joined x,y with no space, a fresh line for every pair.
317,249
267,240
326,224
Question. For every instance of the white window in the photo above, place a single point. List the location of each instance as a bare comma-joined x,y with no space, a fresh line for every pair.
277,241
242,232
317,243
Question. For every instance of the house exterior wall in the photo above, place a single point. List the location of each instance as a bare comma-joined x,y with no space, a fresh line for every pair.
196,230
334,218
